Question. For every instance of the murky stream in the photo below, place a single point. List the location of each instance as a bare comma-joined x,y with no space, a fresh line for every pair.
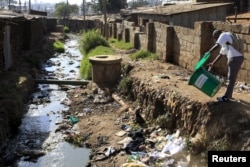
38,141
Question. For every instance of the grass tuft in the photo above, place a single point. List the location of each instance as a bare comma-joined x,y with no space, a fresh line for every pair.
120,44
143,54
58,46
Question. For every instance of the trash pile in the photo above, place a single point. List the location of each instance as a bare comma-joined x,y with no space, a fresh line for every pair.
242,87
145,148
138,142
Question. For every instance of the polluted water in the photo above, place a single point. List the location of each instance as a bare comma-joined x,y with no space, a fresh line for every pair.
38,143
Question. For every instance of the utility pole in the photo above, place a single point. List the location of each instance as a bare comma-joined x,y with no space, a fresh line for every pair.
83,9
20,6
105,18
83,12
29,6
66,15
67,8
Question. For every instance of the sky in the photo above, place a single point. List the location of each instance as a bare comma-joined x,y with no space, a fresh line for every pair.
56,1
79,2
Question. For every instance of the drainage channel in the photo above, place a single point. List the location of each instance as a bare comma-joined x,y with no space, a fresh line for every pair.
38,142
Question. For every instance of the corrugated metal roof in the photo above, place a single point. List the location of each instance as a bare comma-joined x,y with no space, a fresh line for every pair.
9,14
177,8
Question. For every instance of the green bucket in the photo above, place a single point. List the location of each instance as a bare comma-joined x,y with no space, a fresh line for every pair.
205,81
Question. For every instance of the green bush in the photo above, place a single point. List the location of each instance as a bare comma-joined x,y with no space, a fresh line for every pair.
143,54
90,40
58,46
66,29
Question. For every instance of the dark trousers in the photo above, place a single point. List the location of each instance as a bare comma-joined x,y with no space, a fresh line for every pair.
234,65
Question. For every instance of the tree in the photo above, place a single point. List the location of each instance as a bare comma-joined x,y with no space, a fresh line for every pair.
113,6
64,10
138,3
94,6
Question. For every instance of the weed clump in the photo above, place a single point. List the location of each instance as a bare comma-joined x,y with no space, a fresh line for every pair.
66,29
143,54
120,44
125,85
58,46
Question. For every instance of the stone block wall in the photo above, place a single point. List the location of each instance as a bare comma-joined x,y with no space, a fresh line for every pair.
191,44
185,46
164,35
142,41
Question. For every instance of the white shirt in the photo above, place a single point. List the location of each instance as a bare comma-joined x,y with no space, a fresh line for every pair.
226,49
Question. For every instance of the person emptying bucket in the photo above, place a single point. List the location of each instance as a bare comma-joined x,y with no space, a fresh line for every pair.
234,57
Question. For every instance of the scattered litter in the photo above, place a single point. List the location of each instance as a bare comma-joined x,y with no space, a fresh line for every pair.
73,119
133,164
87,110
126,127
243,87
182,163
121,133
133,157
125,141
173,146
169,162
102,139
109,151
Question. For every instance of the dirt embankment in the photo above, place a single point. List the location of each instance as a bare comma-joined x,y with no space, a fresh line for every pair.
167,104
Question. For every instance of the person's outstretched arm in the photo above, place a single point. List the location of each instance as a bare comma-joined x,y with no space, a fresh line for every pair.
214,47
210,65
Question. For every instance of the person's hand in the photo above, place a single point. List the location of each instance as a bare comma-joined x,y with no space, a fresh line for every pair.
207,53
210,65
